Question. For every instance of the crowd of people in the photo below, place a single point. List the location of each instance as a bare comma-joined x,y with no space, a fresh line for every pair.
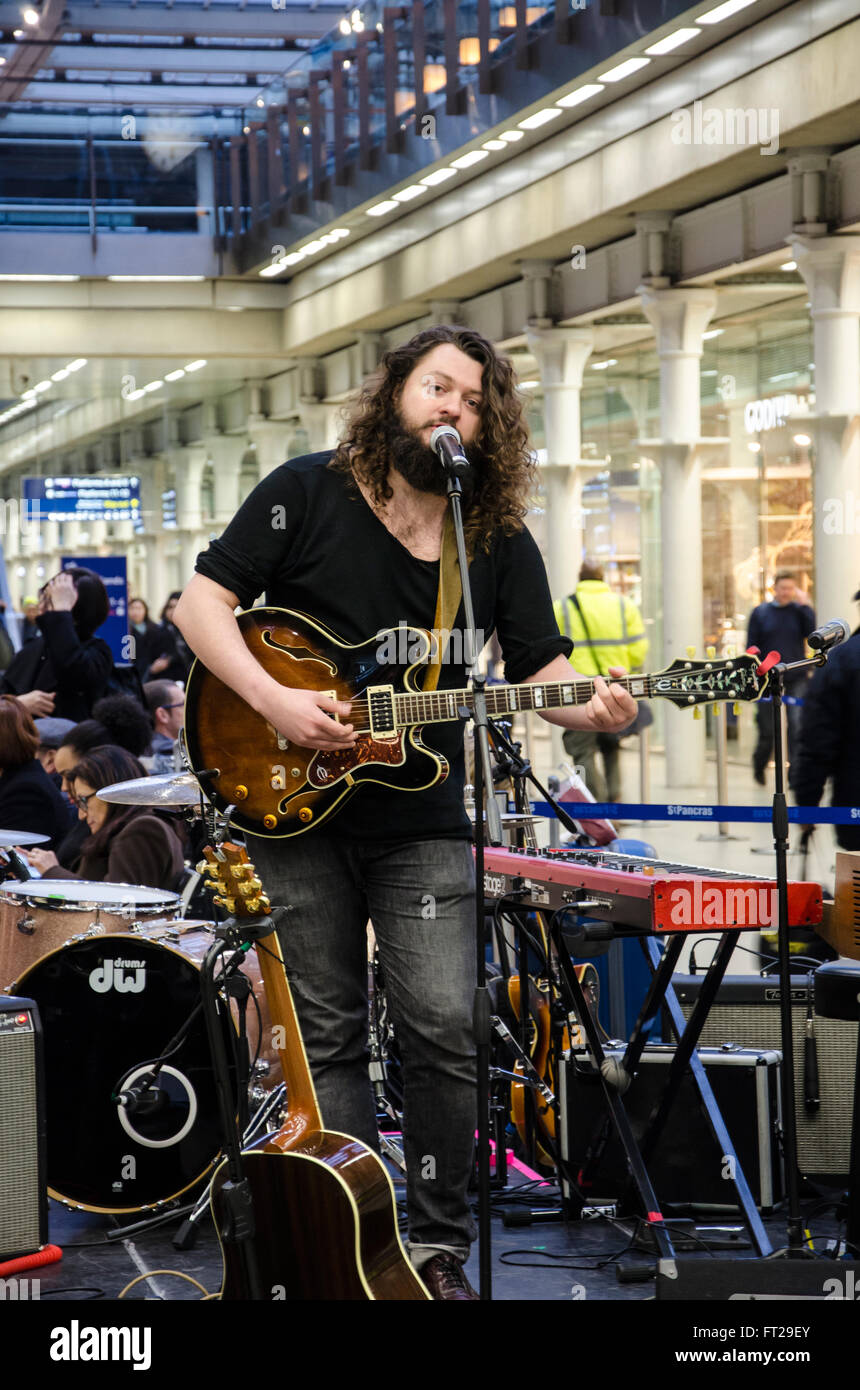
70,725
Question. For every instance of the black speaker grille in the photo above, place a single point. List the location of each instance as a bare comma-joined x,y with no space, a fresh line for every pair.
19,1145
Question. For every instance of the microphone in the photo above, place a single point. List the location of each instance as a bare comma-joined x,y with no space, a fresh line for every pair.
449,447
830,635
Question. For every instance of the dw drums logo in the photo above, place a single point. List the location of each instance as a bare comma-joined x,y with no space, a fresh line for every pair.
112,975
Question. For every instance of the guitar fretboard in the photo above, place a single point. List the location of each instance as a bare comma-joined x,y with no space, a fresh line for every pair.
437,706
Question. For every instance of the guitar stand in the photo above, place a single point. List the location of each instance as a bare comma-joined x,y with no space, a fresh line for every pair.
660,993
238,1226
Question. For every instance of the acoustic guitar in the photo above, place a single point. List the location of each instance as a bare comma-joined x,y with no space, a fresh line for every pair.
278,788
324,1210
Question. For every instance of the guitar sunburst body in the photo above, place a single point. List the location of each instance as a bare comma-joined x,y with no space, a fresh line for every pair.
279,788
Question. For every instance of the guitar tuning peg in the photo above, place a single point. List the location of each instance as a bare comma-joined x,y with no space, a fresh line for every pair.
697,712
736,709
731,652
691,651
710,653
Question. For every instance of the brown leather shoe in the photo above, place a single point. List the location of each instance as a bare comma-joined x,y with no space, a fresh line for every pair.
446,1280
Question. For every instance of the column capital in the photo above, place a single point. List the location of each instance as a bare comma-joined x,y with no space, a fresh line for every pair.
561,353
679,318
830,265
446,311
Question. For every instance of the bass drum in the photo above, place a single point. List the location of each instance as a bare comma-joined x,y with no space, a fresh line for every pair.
110,1006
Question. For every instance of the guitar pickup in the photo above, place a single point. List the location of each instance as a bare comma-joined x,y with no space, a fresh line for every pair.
380,703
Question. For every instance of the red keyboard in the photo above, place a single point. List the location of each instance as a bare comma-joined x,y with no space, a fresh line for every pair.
650,894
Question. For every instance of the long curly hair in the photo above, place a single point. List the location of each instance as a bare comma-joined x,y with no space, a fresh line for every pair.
507,472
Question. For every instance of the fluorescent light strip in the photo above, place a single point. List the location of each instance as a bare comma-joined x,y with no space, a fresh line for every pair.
195,365
380,209
723,11
495,144
175,376
624,70
511,135
50,279
713,333
156,279
672,41
467,160
438,176
407,194
591,89
539,118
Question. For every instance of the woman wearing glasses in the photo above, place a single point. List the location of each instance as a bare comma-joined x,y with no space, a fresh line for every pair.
126,844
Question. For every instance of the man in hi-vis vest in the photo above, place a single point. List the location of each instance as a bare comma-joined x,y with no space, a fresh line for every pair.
606,630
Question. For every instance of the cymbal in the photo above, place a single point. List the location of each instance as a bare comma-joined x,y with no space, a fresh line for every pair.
10,838
167,789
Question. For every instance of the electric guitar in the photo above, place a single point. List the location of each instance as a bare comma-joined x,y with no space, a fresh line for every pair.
273,787
325,1221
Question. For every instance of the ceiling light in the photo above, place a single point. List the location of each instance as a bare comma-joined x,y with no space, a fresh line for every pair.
135,395
345,27
76,364
259,102
31,16
723,11
379,209
156,279
581,94
407,194
152,385
788,265
802,439
175,376
274,269
495,144
438,176
292,259
28,395
528,385
511,135
548,113
50,278
61,374
672,41
465,161
713,333
230,309
196,365
42,386
17,33
607,362
624,70
754,448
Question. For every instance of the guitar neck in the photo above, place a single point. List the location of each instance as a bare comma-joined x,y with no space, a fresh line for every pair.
439,706
303,1115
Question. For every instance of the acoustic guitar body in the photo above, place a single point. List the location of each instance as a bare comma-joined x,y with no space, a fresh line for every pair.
325,1224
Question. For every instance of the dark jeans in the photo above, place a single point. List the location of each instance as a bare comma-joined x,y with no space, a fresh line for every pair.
582,746
764,720
419,896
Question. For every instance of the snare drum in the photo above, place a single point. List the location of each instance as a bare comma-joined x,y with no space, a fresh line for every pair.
109,1005
39,915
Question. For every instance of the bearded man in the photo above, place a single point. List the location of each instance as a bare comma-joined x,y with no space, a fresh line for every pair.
353,538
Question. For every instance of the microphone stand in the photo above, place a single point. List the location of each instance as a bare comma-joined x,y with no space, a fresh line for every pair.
483,775
779,821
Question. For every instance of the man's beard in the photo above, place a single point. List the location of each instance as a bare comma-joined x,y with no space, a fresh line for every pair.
417,463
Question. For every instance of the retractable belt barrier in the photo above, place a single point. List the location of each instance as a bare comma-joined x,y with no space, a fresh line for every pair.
611,810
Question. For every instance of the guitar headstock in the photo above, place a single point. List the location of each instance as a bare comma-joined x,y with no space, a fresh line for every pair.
689,683
231,876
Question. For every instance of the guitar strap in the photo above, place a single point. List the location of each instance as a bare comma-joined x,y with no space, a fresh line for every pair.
447,599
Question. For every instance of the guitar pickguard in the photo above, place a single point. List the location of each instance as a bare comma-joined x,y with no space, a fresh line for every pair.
329,766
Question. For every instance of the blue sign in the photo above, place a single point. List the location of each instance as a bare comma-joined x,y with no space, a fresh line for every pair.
87,498
111,569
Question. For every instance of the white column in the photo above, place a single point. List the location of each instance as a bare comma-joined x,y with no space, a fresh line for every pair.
225,452
188,464
561,354
270,439
679,318
830,265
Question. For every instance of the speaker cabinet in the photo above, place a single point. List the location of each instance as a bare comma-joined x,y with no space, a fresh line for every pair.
23,1199
746,1012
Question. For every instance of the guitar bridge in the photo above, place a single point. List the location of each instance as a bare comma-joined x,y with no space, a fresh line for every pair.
380,703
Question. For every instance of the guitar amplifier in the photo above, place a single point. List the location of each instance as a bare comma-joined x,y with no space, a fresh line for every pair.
746,1012
23,1197
686,1167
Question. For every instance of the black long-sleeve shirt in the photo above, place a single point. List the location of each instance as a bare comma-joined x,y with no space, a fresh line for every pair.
59,661
313,544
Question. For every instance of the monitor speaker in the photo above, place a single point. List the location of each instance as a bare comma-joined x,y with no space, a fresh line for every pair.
23,1198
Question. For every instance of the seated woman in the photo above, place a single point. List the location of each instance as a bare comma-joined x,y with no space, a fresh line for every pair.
66,669
126,844
29,799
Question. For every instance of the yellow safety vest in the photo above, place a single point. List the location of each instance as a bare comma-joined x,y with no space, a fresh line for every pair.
614,626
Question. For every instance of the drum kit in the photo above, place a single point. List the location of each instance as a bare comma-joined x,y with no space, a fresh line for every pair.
115,971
